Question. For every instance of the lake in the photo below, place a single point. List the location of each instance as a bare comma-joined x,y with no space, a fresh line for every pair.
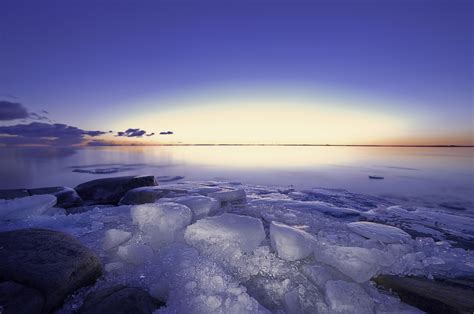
432,177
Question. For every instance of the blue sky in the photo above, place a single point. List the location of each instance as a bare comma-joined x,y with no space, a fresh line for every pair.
114,65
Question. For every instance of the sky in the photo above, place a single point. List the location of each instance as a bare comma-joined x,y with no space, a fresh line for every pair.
313,72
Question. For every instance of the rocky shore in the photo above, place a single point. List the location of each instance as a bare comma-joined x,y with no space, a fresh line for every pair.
131,245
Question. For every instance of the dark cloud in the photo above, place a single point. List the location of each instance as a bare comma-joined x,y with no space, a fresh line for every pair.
38,133
134,133
166,133
15,111
12,111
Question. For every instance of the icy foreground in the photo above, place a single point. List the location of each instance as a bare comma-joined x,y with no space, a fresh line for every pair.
232,248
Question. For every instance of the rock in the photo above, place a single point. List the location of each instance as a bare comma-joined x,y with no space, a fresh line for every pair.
25,207
16,193
290,243
18,299
243,231
382,233
66,197
441,295
111,190
145,195
52,262
120,299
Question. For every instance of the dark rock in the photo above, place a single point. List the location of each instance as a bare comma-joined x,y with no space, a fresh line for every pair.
120,300
52,262
11,194
18,299
441,295
67,197
111,190
150,194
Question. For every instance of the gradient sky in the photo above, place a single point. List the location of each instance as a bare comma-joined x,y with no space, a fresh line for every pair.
339,72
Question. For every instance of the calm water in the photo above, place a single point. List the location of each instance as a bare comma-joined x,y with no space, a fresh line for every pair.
428,176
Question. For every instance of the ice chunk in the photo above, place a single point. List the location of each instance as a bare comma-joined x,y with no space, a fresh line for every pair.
358,263
114,238
25,207
383,233
231,195
227,229
162,223
135,253
110,267
319,274
291,302
201,206
191,283
348,297
290,243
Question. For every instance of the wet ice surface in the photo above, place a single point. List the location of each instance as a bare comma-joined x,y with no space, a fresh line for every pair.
265,249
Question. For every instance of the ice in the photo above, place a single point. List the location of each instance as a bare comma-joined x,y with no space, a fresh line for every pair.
228,229
230,195
135,253
358,263
26,207
347,297
201,206
225,264
383,233
162,223
115,237
319,274
290,243
191,283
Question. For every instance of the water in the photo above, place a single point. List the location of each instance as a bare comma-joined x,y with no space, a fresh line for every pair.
434,177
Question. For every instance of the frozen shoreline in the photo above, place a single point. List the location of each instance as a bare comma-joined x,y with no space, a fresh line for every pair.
225,247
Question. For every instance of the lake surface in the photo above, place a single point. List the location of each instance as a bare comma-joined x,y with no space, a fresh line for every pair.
433,177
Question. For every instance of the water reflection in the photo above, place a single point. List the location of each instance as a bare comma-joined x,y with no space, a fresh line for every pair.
444,174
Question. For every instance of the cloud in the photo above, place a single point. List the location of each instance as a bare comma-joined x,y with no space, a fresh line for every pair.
134,133
166,133
15,111
12,111
39,133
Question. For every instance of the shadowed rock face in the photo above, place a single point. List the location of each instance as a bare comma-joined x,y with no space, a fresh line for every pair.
18,299
111,190
445,295
51,262
150,195
120,300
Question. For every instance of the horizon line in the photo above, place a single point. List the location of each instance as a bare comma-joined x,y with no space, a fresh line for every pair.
269,144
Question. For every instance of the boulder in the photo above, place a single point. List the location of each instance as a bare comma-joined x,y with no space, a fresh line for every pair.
52,262
120,299
111,190
145,195
15,193
18,299
441,295
66,197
